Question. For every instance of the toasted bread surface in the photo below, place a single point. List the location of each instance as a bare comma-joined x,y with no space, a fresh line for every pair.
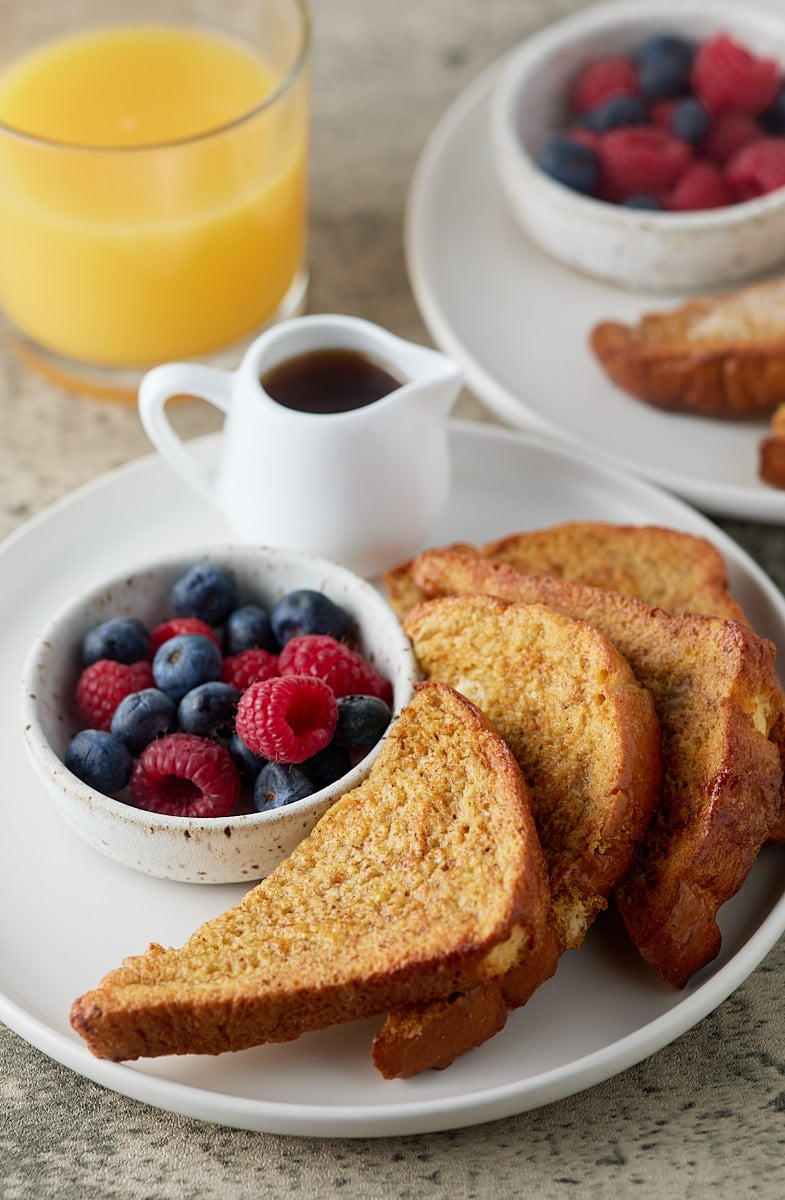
721,355
582,729
720,707
675,571
771,451
588,742
426,879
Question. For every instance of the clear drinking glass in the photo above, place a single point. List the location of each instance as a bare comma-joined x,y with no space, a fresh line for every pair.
153,171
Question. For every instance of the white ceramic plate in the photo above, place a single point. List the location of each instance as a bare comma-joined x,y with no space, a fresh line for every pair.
70,914
518,322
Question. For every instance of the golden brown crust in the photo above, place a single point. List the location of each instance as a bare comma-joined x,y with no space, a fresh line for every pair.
771,451
434,1035
720,707
716,356
667,568
425,880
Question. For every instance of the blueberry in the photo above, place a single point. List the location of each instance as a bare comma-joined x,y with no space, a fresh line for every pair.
305,611
248,764
689,120
208,710
361,720
278,784
570,163
123,639
207,592
99,760
664,65
185,661
640,200
613,113
247,628
327,766
142,717
772,119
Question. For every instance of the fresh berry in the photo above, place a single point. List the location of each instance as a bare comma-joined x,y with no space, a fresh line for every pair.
143,716
727,78
176,625
640,160
327,766
287,719
701,186
278,784
571,163
307,611
361,720
248,628
757,169
727,133
689,120
772,119
206,591
99,760
102,686
183,775
249,666
184,662
124,639
248,764
343,669
664,64
209,710
641,201
613,75
614,113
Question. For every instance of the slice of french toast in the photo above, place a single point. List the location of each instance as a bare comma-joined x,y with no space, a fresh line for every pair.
719,703
426,880
672,570
675,571
721,355
588,742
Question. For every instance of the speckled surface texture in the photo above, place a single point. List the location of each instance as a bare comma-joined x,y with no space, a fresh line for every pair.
704,1117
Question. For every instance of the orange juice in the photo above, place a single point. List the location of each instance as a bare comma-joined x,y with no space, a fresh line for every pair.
152,193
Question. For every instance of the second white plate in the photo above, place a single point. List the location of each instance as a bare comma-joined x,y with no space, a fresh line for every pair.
518,323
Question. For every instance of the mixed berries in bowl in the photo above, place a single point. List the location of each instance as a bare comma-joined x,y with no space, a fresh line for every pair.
195,717
643,142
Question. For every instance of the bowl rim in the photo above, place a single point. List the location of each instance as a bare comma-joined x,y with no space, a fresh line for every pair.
514,162
51,767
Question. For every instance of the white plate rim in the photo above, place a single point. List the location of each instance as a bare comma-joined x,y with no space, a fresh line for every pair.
757,502
471,1106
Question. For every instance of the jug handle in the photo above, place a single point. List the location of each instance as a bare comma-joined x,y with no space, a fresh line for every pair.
163,383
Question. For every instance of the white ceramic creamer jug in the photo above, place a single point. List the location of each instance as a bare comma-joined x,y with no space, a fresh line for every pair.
362,487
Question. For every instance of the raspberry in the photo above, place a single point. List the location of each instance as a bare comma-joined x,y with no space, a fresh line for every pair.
727,78
249,666
343,669
602,79
640,160
287,719
177,625
701,186
102,686
757,169
182,775
729,132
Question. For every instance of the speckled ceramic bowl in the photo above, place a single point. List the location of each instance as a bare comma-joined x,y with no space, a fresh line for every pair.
218,850
636,249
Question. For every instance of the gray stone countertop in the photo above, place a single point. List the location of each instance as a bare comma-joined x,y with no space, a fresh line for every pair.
703,1117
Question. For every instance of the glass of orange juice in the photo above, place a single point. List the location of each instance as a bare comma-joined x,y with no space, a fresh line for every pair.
152,181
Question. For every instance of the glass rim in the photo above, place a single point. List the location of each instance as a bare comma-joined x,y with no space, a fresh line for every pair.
283,86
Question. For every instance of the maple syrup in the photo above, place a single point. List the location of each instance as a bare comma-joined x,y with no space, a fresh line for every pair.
328,381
